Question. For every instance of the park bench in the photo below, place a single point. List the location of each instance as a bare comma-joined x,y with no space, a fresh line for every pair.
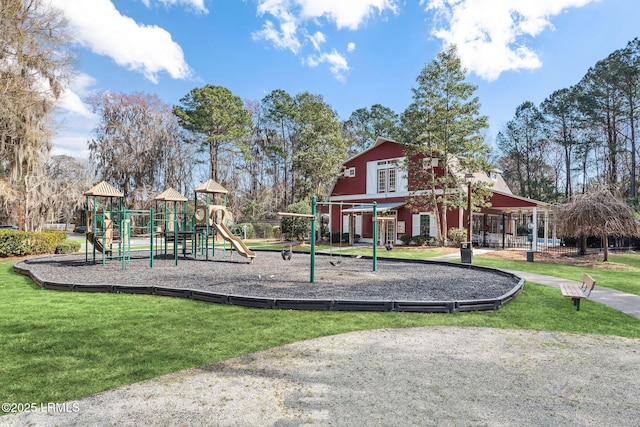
577,292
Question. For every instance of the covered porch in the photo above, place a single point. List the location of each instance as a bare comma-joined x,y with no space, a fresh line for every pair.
515,222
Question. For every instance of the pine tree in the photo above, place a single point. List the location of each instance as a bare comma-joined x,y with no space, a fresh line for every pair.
443,122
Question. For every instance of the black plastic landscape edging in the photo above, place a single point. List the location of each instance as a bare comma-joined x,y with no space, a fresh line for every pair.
491,304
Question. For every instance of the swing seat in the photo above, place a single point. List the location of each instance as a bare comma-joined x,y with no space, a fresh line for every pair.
286,255
335,264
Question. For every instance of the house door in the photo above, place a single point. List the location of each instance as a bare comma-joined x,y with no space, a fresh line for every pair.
387,228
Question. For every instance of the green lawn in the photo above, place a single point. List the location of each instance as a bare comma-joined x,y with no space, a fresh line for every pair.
627,280
65,345
397,252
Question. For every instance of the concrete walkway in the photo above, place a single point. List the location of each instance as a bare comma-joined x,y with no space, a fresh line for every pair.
627,303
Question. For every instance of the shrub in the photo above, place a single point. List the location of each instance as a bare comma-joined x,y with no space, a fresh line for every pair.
277,233
263,230
59,235
14,243
246,230
457,235
419,240
21,243
68,247
337,237
296,227
406,239
43,243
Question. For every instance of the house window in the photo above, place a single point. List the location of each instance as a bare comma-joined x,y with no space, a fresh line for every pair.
387,177
350,172
382,181
392,180
425,225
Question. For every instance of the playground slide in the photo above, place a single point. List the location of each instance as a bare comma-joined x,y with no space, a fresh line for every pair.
237,244
96,242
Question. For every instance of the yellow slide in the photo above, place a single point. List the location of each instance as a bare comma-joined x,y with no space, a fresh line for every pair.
236,242
97,242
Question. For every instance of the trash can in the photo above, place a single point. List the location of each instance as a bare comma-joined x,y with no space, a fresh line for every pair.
466,252
530,256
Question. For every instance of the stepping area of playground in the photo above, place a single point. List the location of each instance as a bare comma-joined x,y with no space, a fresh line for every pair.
270,278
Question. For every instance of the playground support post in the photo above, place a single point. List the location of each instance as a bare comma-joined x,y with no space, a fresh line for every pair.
151,236
375,236
313,240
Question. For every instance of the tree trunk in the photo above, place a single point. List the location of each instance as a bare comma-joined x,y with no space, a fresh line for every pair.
605,247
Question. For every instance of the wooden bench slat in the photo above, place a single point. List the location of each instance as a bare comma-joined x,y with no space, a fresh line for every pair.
587,284
572,291
575,292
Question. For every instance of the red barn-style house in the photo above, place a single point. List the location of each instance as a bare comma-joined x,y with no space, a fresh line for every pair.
376,174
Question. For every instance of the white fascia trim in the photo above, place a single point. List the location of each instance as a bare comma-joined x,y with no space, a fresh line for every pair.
379,197
428,192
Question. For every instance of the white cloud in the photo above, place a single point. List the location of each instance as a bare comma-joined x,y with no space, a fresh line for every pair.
285,38
351,46
345,13
317,39
337,63
197,5
71,99
74,119
491,34
297,19
72,144
147,49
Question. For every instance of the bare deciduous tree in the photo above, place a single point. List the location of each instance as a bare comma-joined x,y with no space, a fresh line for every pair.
139,146
599,213
35,62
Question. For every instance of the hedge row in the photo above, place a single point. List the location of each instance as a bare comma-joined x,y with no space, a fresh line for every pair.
21,243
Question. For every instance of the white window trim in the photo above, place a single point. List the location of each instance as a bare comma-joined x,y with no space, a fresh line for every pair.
430,162
372,178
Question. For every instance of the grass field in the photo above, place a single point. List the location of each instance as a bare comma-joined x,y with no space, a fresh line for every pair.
64,345
626,280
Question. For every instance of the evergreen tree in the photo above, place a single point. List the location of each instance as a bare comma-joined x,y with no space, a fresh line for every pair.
319,149
443,122
217,118
367,124
524,145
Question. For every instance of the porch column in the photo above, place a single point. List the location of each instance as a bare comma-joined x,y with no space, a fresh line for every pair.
461,218
546,228
534,220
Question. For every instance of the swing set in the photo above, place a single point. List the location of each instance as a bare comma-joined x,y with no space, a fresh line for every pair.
287,254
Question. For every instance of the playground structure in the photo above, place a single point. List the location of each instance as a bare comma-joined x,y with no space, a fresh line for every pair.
266,283
175,228
286,255
171,227
211,217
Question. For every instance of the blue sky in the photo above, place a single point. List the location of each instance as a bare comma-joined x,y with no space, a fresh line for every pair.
355,53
